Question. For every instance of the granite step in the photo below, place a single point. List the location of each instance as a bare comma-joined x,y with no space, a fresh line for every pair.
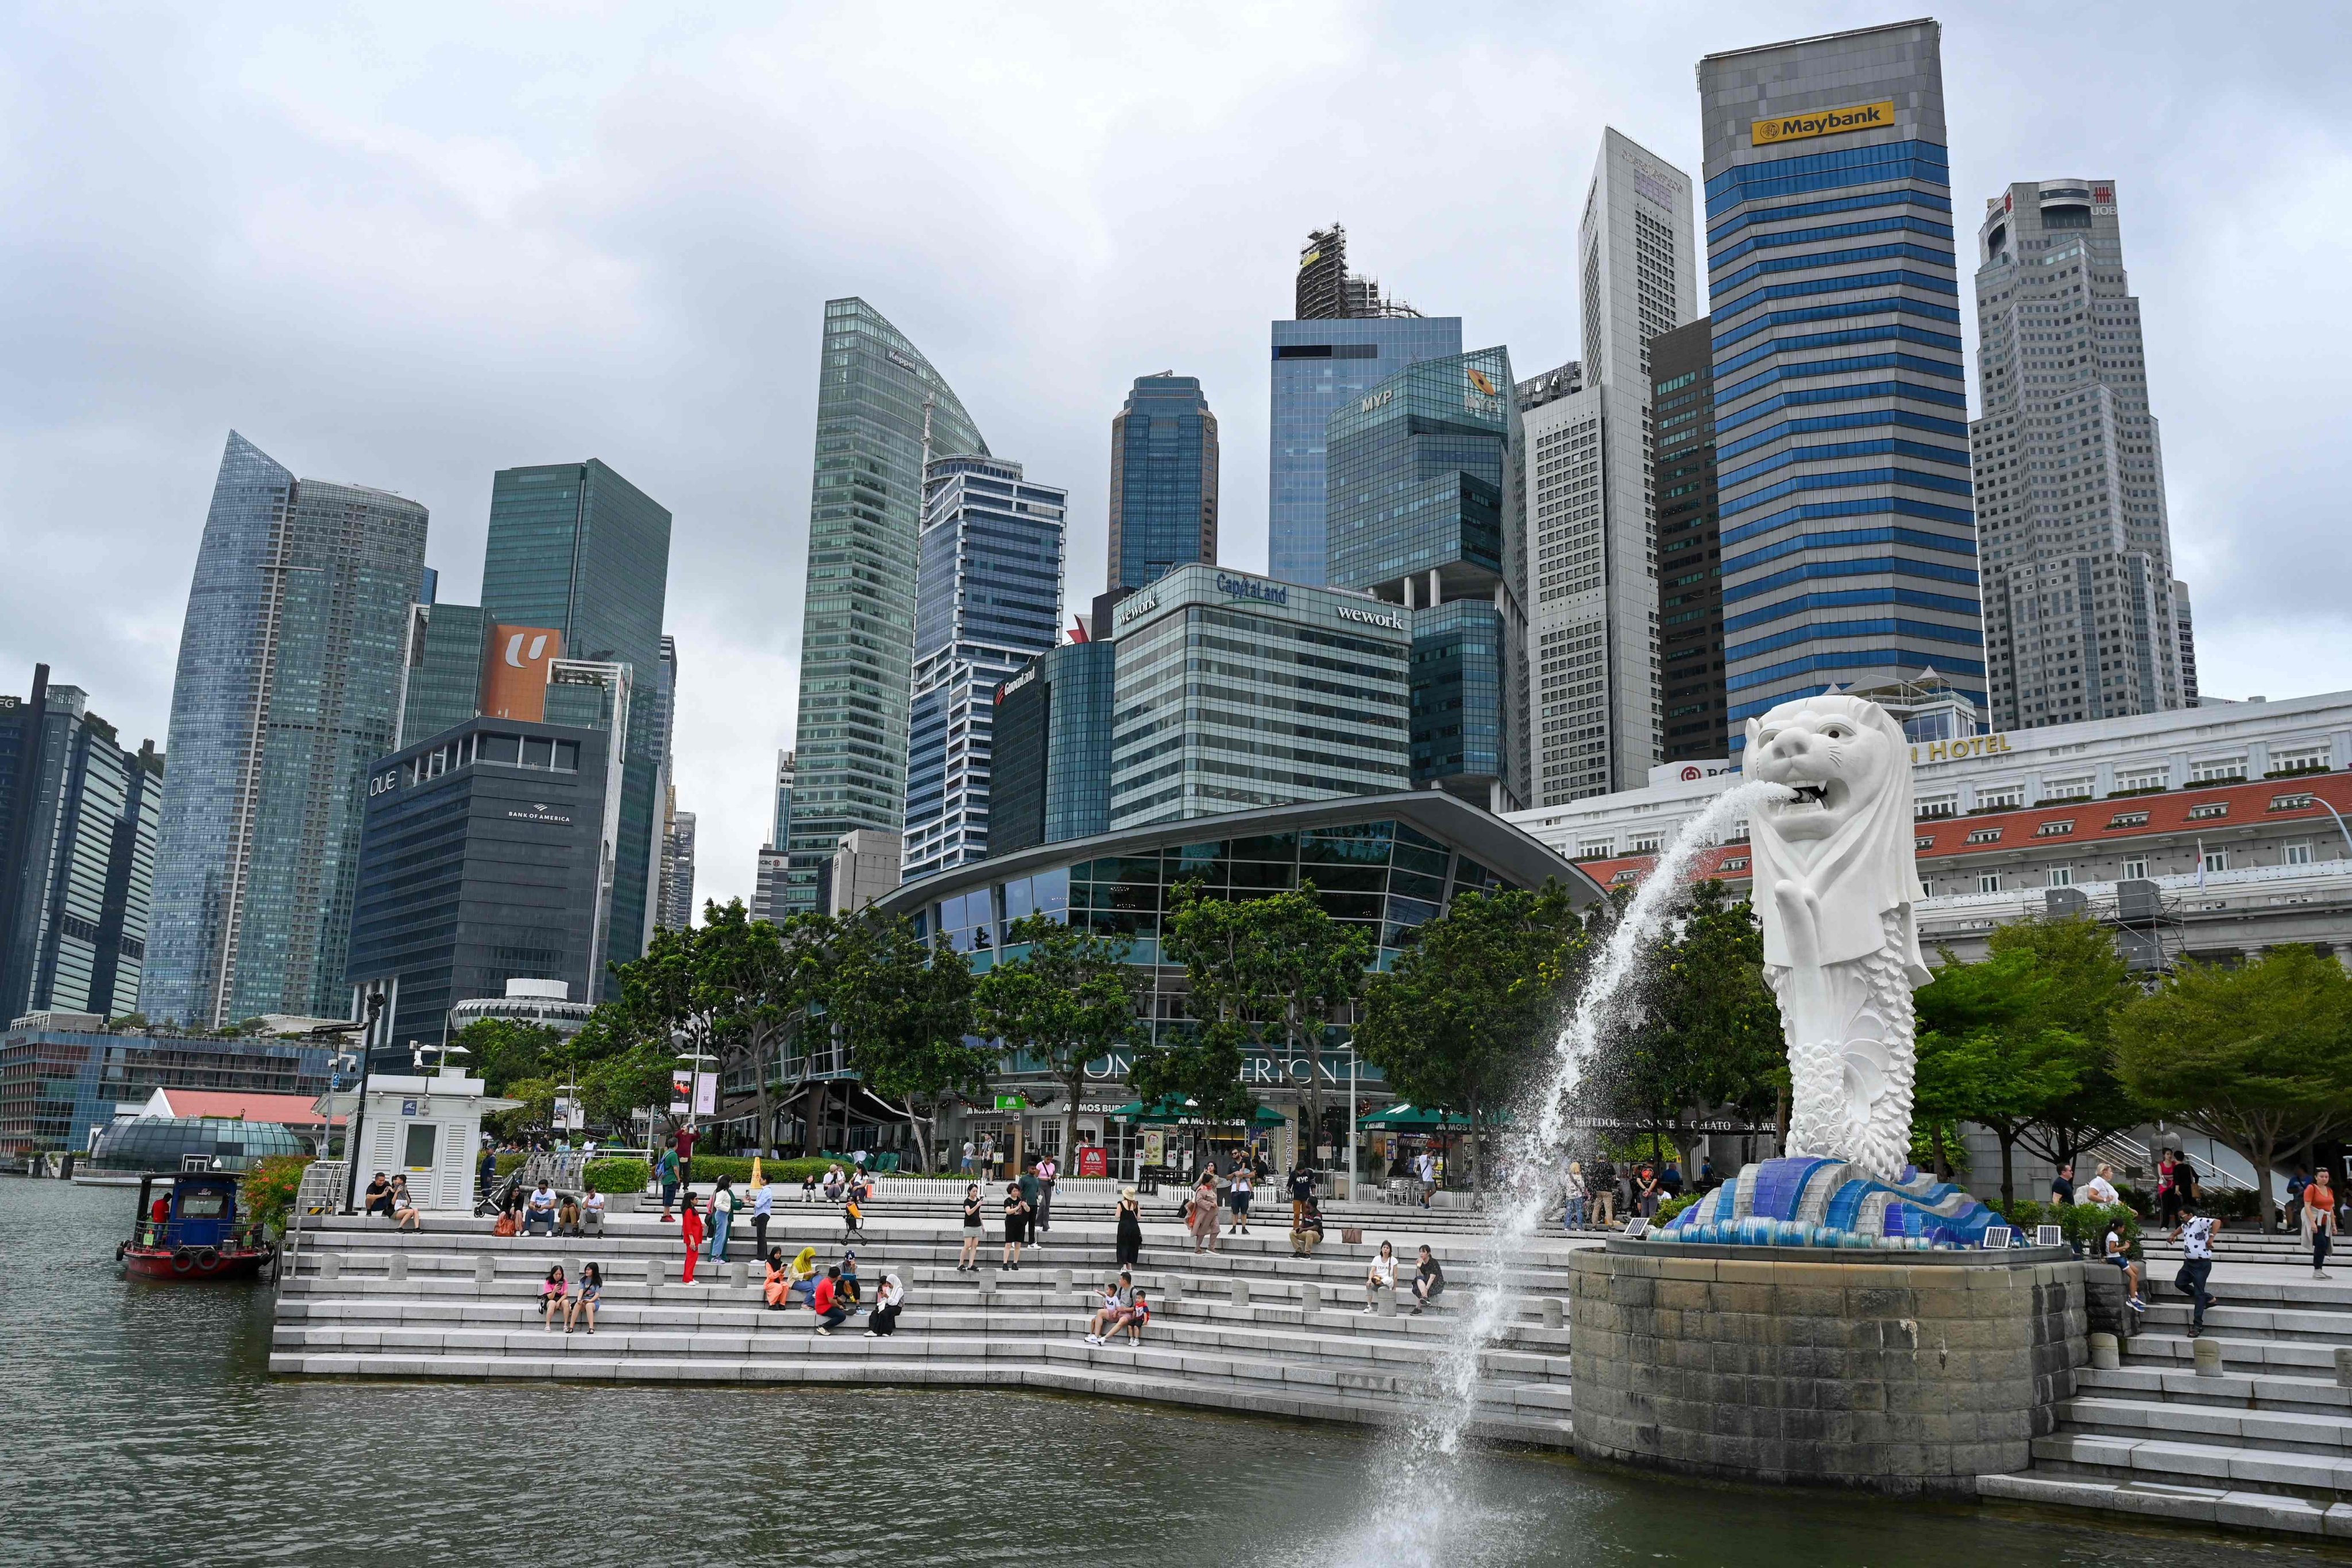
2222,1507
2320,1477
2273,1431
2170,1387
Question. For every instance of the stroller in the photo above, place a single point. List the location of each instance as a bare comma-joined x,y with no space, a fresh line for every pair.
504,1195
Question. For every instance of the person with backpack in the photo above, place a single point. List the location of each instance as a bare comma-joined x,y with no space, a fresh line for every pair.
1302,1194
667,1169
830,1313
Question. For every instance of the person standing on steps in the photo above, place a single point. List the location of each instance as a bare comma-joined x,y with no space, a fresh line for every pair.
1016,1215
489,1168
1572,1217
1603,1180
1129,1248
683,1141
1302,1195
764,1205
722,1217
1204,1216
667,1169
970,1159
2195,1234
689,1230
1237,1197
1049,1171
2318,1220
969,1259
1032,1194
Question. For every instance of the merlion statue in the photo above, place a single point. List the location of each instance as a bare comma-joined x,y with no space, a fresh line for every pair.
1834,877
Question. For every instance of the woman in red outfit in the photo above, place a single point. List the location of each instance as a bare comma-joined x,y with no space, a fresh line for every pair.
689,1231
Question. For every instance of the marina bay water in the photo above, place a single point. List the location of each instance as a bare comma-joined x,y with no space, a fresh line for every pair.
139,1424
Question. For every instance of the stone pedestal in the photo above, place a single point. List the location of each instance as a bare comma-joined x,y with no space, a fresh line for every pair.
1895,1372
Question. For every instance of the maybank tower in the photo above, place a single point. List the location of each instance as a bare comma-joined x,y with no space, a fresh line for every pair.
1841,411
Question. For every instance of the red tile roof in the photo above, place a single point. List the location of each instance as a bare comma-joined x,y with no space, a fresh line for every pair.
2107,820
290,1110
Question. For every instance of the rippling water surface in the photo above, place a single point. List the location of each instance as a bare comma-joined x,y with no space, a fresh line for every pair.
139,1424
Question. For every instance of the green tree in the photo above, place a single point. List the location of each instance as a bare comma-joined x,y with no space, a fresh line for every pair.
906,1012
501,1051
1463,1014
1062,994
1231,995
1988,1051
2258,1057
756,984
2085,985
1706,1039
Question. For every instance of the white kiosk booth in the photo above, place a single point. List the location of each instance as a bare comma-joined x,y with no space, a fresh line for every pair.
428,1128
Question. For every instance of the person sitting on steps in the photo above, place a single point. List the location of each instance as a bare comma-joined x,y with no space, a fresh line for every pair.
1428,1282
1381,1276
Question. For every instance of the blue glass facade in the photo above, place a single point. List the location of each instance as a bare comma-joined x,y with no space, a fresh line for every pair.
1426,495
287,690
1050,776
57,1085
576,547
1846,494
1163,480
1319,366
881,413
988,599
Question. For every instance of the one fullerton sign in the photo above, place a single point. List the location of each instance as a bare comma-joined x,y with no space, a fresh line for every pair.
1822,122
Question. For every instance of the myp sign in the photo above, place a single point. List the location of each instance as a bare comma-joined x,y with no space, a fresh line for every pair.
1256,588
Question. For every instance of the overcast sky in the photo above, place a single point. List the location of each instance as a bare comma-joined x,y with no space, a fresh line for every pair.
405,245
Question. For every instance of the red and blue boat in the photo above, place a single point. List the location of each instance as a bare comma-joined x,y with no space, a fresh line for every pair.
189,1230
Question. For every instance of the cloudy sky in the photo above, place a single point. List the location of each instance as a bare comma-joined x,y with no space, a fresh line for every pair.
406,246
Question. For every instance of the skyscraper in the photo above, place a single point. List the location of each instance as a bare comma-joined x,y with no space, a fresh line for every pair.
1310,700
441,664
78,822
1163,480
988,599
576,548
1348,338
1847,560
882,413
1690,545
1049,776
1594,630
2082,619
677,868
288,680
1427,494
767,884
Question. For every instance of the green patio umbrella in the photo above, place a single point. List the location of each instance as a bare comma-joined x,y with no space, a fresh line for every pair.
1168,1109
1402,1117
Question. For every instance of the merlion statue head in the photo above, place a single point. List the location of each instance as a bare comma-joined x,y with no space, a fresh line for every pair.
1845,836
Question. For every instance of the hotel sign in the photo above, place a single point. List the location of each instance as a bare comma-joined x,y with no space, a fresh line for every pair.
1958,751
1822,122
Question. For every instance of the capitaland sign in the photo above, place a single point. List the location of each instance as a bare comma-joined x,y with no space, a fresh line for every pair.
1253,588
1822,122
1394,622
1961,751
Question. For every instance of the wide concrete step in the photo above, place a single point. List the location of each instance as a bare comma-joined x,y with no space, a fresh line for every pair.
2227,1466
2292,1357
2064,1486
2175,1386
2275,1431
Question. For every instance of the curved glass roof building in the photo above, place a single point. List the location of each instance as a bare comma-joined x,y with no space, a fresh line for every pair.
881,412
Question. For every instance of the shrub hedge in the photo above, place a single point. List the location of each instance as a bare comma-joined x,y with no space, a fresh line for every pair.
616,1175
2085,1225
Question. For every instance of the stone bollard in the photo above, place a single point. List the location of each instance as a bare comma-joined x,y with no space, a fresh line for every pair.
2344,1366
989,1281
1062,1280
486,1269
2105,1356
396,1269
1555,1315
2208,1357
331,1266
1388,1303
1171,1289
1240,1292
739,1273
657,1273
1310,1297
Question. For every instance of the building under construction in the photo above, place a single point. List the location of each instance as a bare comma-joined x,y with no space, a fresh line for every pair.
1328,292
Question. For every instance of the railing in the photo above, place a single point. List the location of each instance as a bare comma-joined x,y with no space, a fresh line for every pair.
321,1191
2115,1149
2219,889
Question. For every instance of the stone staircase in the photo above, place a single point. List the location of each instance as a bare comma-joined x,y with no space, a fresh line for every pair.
2257,1437
1250,1328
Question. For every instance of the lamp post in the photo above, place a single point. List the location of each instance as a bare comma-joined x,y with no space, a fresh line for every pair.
358,1122
694,1060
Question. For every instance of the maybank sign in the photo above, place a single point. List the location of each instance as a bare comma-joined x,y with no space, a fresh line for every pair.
1822,122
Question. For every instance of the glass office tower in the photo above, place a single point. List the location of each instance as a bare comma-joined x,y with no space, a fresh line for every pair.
1690,545
77,822
1842,447
1319,367
288,681
881,413
1426,497
1163,480
440,670
576,548
1049,776
988,598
